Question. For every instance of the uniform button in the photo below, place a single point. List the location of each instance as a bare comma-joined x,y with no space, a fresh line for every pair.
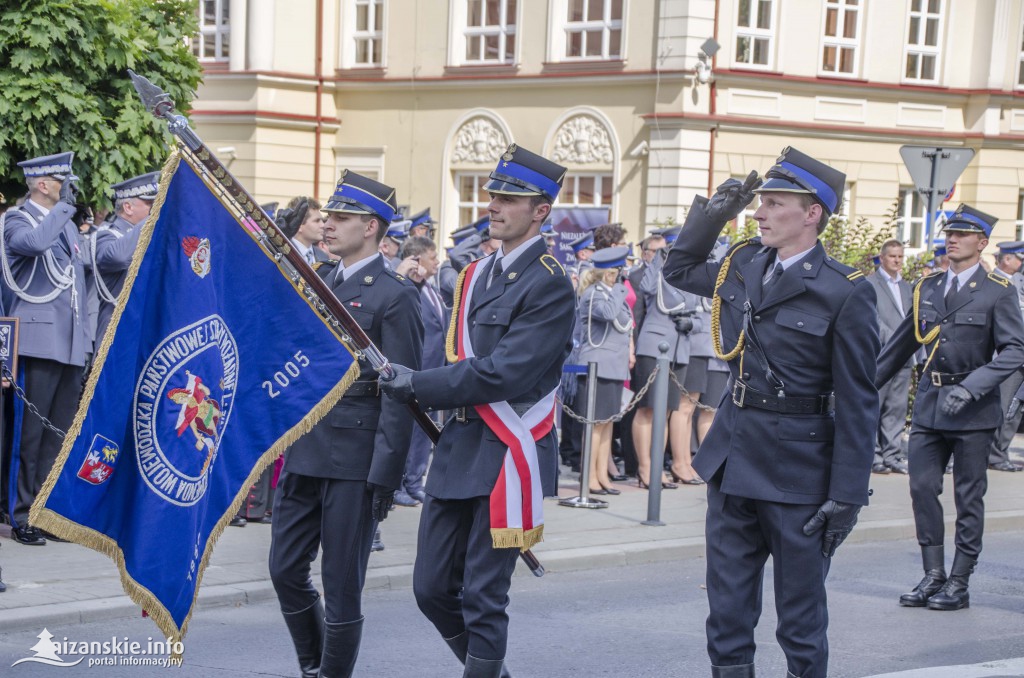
746,375
731,297
942,360
813,434
970,319
945,321
800,323
943,340
359,422
757,318
474,323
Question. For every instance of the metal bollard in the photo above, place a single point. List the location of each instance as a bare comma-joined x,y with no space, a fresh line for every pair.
659,404
583,500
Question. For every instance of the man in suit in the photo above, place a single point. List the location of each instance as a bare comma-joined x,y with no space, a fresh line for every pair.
44,255
511,332
303,223
114,243
894,301
420,264
963,317
1008,265
339,480
788,457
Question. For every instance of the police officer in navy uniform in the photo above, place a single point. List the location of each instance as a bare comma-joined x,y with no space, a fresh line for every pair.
788,457
520,320
44,269
963,317
340,478
1008,266
114,243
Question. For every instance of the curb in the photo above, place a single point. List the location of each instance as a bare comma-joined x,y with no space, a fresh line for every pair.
399,577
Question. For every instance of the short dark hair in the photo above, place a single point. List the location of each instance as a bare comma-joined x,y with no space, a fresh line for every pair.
382,230
536,200
806,199
416,245
608,235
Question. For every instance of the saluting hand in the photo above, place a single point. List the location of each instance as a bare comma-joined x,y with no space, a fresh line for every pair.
731,198
69,191
838,520
399,387
956,400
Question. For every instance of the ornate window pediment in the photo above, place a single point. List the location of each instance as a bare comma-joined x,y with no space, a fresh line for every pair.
583,140
479,141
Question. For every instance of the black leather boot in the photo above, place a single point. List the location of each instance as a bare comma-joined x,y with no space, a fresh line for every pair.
934,577
341,647
953,595
3,586
735,671
482,668
307,630
460,646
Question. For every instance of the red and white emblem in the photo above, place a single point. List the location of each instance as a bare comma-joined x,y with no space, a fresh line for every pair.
100,461
198,253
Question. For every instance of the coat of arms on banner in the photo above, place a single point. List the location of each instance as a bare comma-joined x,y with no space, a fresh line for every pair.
100,460
198,252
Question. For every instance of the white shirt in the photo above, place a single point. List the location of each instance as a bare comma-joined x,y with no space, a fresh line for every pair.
786,263
346,272
894,287
39,207
306,252
962,277
509,258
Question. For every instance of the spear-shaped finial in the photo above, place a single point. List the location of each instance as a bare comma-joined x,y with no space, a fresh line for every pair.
159,103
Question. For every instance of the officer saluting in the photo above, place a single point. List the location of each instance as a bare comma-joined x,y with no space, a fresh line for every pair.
962,316
788,457
339,479
43,267
510,333
113,244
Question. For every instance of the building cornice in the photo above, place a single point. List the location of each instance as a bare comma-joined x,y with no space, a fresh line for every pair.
265,118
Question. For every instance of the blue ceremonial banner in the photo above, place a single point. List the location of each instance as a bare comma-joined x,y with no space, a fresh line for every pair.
213,364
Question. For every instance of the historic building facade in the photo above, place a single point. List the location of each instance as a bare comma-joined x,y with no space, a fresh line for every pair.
426,94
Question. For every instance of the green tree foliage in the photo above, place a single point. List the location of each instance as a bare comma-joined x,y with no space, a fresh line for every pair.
64,85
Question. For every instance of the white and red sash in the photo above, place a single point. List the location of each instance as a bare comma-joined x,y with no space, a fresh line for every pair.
517,508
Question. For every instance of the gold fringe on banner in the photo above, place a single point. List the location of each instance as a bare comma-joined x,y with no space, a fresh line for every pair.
516,537
42,517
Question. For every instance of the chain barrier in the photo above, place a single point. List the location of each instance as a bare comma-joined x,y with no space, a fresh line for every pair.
699,405
28,403
637,397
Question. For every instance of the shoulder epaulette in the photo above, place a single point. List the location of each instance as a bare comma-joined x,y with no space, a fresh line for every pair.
999,279
849,272
397,276
329,263
550,263
855,275
741,244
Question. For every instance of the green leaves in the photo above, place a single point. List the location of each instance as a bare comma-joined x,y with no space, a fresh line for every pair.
64,85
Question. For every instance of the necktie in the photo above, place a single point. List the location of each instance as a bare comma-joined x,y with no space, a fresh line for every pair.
951,292
773,278
309,257
496,269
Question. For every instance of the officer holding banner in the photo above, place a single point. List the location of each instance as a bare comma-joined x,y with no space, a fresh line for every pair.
43,268
114,243
339,480
510,333
788,457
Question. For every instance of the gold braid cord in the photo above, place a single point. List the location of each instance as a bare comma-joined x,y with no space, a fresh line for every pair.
933,334
449,344
716,310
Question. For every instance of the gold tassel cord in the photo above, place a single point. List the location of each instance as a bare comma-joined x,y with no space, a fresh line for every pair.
933,334
451,341
716,310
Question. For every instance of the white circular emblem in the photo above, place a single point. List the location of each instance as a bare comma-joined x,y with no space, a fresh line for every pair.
182,404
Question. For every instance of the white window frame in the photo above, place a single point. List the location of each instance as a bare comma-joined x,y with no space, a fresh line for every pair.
460,31
919,49
755,33
570,186
1020,56
907,220
1019,226
838,41
217,32
479,209
350,35
560,25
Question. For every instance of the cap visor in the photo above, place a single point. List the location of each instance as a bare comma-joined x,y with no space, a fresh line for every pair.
778,185
506,188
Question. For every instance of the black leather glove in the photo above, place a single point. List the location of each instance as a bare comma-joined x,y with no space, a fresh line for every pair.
731,198
838,520
383,500
1014,408
399,387
69,191
683,323
956,400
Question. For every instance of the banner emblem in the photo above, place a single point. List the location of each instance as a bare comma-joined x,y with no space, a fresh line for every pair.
183,401
198,253
100,460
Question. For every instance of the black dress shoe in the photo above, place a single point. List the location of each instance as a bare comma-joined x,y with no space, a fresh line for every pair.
52,537
618,478
611,490
899,467
1007,466
378,543
238,521
600,492
29,536
881,469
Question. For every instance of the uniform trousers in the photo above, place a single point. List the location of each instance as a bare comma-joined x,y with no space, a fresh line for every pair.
1000,450
741,533
930,450
416,463
54,388
312,513
893,401
460,582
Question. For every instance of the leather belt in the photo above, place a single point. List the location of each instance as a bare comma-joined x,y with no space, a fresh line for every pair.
941,379
464,414
745,396
363,389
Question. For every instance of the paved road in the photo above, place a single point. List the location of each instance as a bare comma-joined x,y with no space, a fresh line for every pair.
645,620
